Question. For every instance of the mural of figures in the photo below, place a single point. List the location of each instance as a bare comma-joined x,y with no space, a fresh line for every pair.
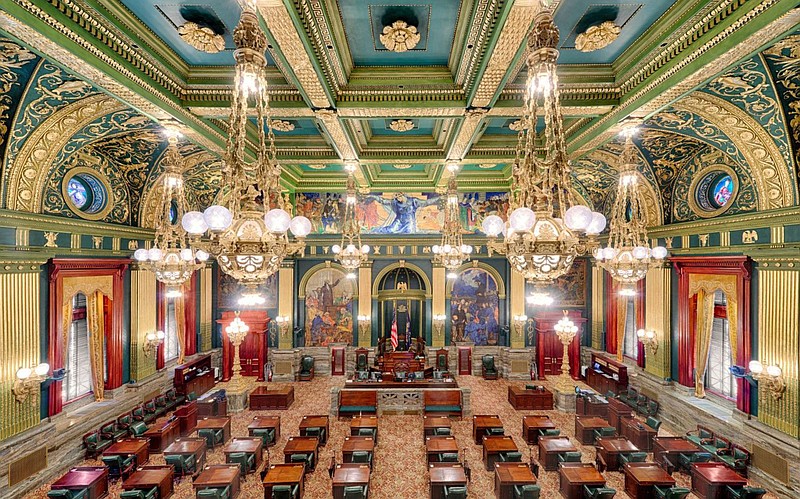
329,308
475,307
230,290
570,289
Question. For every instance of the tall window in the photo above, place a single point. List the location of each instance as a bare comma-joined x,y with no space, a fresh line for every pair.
78,380
171,333
630,345
718,376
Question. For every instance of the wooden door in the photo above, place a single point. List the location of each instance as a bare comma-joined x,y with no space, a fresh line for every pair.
337,361
249,355
464,360
551,353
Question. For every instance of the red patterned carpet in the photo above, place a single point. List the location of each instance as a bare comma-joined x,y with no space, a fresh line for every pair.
399,467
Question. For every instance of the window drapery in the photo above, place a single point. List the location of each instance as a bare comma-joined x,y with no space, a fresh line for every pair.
705,321
95,318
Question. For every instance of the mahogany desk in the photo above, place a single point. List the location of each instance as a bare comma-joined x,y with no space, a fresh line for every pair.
618,410
709,480
93,478
216,423
550,448
482,422
189,447
430,423
592,405
352,444
367,422
301,445
532,400
640,478
161,436
493,446
315,422
147,477
445,475
349,474
506,475
248,445
290,474
187,417
212,404
609,449
130,447
668,448
573,476
639,433
263,398
266,423
219,476
585,426
532,424
439,445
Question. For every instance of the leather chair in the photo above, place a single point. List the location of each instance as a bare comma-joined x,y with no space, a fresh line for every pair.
317,431
214,493
489,432
191,397
527,491
510,457
569,457
671,492
150,411
112,431
650,410
488,367
267,435
455,492
607,431
362,360
445,432
700,436
368,432
745,492
610,394
213,437
632,457
598,492
125,421
137,428
245,460
448,457
285,491
362,456
118,466
161,405
139,494
355,492
306,368
685,461
173,399
307,459
653,423
442,360
95,444
67,494
184,464
550,432
138,413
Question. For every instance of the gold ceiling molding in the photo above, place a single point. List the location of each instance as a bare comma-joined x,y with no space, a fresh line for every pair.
479,31
518,125
413,112
279,112
401,125
400,37
767,165
335,129
402,166
321,35
569,111
31,167
597,37
281,125
201,38
317,166
472,119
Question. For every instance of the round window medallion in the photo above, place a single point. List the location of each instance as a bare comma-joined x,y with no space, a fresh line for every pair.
713,191
86,192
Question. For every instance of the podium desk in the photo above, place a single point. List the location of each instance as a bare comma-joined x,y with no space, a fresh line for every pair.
550,448
507,475
573,476
290,474
263,398
315,422
349,474
266,423
523,399
593,405
439,445
219,476
147,477
609,449
92,478
161,436
585,426
493,446
130,447
639,433
617,411
301,445
187,417
445,475
531,426
481,423
189,447
641,478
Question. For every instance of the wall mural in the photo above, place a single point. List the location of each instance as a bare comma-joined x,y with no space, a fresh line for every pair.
783,61
229,290
399,213
329,308
570,290
17,65
475,307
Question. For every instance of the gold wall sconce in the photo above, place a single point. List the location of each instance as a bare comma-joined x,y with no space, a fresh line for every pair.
152,341
29,379
771,376
283,323
648,339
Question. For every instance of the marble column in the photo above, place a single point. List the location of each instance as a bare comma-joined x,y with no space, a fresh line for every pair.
657,317
439,284
286,301
206,309
516,299
143,321
598,307
365,303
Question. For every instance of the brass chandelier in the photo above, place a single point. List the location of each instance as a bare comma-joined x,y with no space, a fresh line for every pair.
628,255
170,257
452,252
350,253
248,229
546,229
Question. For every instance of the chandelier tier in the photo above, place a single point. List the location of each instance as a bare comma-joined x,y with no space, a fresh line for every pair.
350,254
452,252
248,229
546,228
628,256
170,257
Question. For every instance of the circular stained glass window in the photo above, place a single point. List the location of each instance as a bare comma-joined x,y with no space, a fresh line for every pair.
86,194
715,192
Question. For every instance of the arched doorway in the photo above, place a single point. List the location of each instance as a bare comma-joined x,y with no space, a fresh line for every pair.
401,297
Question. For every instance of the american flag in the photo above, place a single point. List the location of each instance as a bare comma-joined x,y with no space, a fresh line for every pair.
394,330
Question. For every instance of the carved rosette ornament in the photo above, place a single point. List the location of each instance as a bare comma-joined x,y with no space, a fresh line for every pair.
281,125
401,125
402,166
202,38
597,37
400,37
518,126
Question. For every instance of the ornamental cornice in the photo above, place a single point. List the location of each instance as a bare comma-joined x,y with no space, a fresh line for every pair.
484,19
319,31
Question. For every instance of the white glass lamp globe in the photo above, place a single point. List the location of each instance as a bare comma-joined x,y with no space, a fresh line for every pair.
42,369
186,255
194,223
756,367
24,372
277,220
365,248
218,218
154,254
598,253
774,371
522,219
201,255
436,248
351,248
493,225
659,252
465,249
336,249
609,253
447,248
640,252
597,224
578,217
140,255
300,226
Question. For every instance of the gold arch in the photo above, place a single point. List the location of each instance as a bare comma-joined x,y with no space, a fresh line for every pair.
475,264
653,207
398,265
30,169
301,292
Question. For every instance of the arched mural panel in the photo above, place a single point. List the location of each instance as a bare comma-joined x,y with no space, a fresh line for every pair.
329,307
475,307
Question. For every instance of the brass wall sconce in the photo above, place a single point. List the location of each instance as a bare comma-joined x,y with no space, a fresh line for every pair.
283,322
28,380
649,340
152,341
771,377
438,324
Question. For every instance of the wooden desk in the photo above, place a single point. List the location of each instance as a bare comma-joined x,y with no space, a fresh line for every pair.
290,474
550,448
439,445
482,422
585,426
430,423
709,480
592,405
219,475
248,445
352,444
573,476
531,400
217,423
349,474
617,411
130,447
315,422
163,435
266,422
506,475
147,477
493,446
531,426
93,478
189,447
445,475
639,433
668,448
263,398
301,445
367,422
212,405
640,478
609,449
187,417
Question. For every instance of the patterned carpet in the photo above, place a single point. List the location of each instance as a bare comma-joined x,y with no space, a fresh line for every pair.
399,468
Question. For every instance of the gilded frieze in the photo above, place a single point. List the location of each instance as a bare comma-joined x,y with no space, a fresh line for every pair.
16,66
783,61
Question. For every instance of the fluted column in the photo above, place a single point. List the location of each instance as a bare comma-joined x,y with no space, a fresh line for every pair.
365,302
286,301
143,321
206,308
516,300
598,307
657,317
439,285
